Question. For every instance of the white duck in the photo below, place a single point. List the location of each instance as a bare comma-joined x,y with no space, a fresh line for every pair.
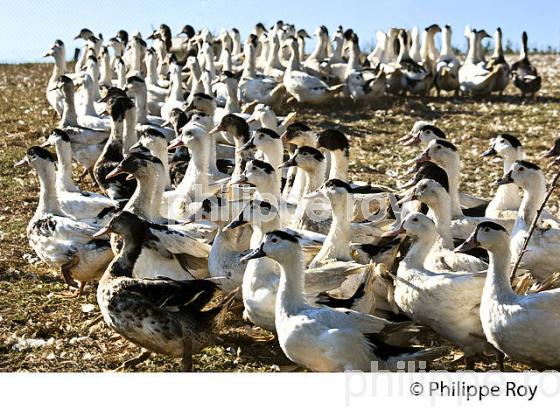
445,301
442,257
321,338
303,87
54,95
541,258
447,65
60,241
474,77
523,327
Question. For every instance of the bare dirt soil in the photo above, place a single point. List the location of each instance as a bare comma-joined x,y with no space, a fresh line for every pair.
41,329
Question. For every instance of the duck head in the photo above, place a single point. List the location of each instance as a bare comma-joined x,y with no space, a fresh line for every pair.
524,174
278,245
307,158
487,235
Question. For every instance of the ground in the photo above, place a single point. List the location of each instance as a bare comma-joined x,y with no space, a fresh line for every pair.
41,329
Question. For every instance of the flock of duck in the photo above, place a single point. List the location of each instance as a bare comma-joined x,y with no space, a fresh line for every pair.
199,198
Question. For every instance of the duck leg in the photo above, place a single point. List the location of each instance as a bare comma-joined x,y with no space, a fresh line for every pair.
501,358
135,361
65,272
187,354
469,363
81,289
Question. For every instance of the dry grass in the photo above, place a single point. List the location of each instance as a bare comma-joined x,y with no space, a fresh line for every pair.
41,330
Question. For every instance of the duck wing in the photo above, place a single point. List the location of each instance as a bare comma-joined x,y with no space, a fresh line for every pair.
169,293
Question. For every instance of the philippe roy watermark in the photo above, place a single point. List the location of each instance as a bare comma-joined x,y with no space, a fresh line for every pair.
412,380
198,205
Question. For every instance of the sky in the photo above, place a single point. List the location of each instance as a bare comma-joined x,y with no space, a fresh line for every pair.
29,27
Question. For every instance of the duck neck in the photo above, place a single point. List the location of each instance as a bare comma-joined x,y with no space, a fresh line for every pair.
151,70
498,50
59,66
294,64
441,210
195,180
291,299
319,50
141,102
105,71
314,177
273,154
337,242
339,165
123,264
64,180
89,108
232,102
176,91
48,201
354,58
497,286
471,55
140,203
507,193
446,47
453,173
533,197
270,189
301,48
419,250
130,138
524,52
69,116
249,69
160,152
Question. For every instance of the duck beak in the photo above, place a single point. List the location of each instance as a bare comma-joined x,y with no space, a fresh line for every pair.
48,53
254,254
411,196
490,152
217,129
412,140
248,145
129,177
166,124
242,180
77,37
556,161
469,244
190,219
177,142
394,233
103,231
289,163
251,119
235,224
506,179
423,157
314,195
24,162
550,153
117,171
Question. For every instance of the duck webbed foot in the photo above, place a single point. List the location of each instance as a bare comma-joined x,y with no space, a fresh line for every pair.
131,364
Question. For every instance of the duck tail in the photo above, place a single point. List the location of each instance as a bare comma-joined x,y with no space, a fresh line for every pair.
218,314
403,361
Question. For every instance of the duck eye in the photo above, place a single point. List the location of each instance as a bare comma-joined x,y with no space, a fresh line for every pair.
521,169
486,230
414,219
274,240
